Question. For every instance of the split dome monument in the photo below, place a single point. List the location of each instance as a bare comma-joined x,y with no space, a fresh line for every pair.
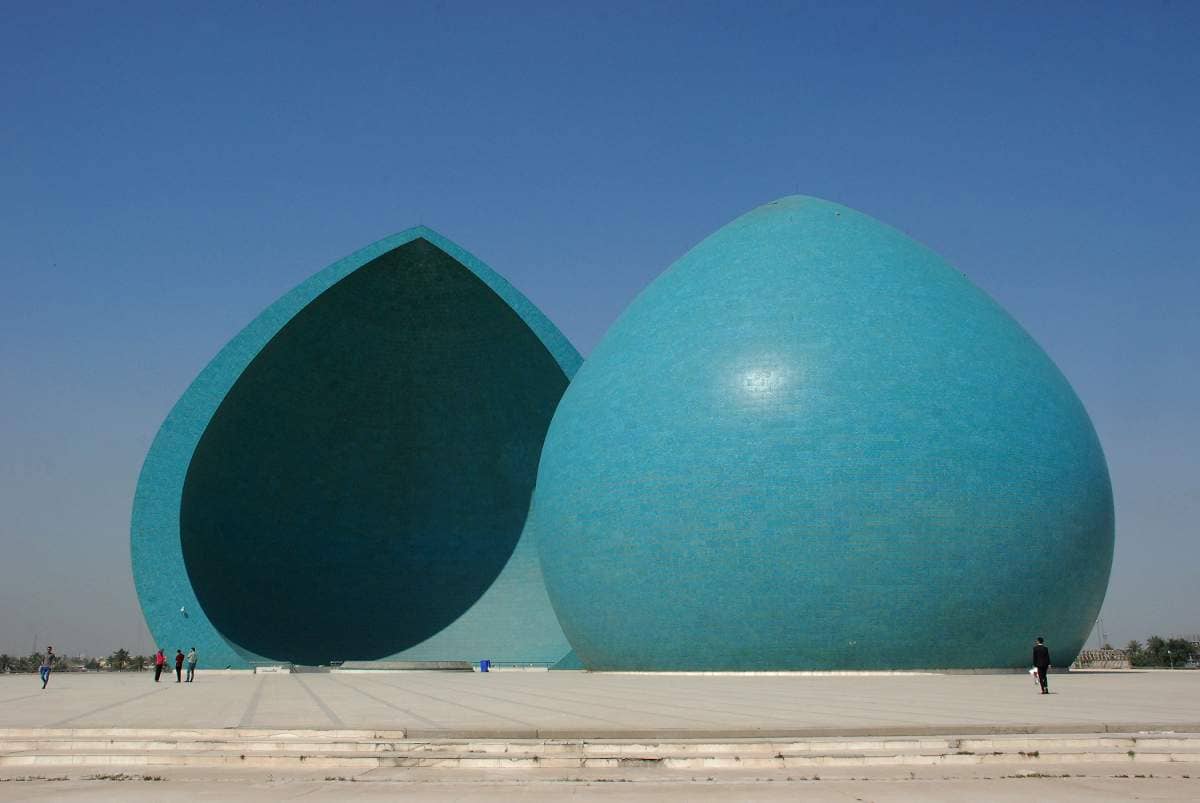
810,443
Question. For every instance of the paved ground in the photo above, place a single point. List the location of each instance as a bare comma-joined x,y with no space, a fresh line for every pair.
573,704
576,704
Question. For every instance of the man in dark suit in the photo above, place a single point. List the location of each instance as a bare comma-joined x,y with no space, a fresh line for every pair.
1041,660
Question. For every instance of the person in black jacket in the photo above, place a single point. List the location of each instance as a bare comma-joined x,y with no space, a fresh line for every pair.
1041,660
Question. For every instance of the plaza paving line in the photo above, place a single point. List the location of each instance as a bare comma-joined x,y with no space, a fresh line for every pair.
460,716
410,701
650,700
575,698
388,703
656,703
927,713
252,705
346,703
642,712
334,719
283,702
837,701
26,697
755,714
737,697
579,704
457,704
423,699
557,711
1079,703
768,699
807,712
652,707
886,712
868,710
638,710
107,707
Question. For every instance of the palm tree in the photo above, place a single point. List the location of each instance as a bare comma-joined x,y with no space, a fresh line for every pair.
139,662
119,660
1156,647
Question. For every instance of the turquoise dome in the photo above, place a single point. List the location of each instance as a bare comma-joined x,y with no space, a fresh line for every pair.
813,444
349,477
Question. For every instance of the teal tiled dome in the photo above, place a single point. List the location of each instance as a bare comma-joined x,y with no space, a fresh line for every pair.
349,477
813,444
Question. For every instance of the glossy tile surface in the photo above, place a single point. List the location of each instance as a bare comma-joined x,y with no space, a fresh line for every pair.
813,444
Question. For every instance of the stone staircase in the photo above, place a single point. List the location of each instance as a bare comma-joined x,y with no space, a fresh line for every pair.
367,750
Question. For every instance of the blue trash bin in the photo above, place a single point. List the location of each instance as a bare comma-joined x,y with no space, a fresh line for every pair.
485,666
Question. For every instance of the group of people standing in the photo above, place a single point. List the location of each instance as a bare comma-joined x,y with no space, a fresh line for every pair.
160,662
1041,662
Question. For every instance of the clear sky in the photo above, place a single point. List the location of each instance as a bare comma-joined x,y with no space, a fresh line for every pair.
168,169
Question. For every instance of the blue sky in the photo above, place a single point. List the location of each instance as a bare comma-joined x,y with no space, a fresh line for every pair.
167,170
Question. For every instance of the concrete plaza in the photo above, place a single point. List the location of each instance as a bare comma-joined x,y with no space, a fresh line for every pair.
546,736
586,705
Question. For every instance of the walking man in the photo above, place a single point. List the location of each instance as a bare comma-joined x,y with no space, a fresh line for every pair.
160,660
191,665
178,666
1041,661
47,662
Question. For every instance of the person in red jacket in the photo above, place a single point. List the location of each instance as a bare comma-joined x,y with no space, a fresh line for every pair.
160,660
178,666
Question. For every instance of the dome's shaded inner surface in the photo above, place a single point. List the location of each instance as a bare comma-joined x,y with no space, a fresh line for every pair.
369,473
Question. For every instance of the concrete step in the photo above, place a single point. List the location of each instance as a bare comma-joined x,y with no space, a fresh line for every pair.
509,747
367,750
584,751
316,742
201,733
624,761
